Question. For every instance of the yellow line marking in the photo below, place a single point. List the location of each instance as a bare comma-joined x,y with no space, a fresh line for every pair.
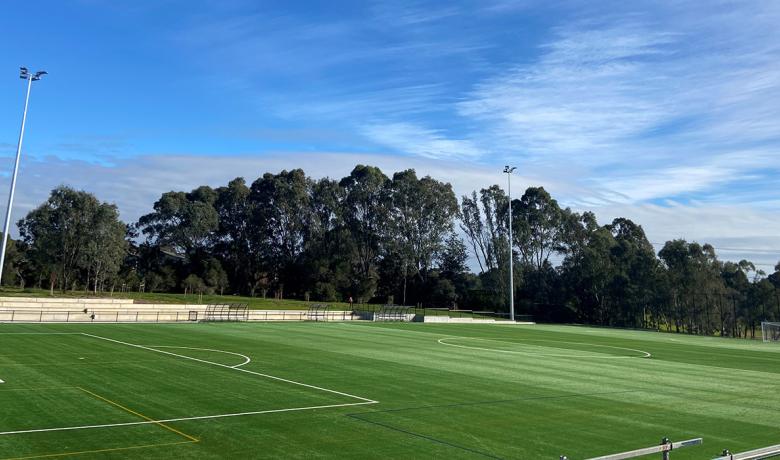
66,454
171,429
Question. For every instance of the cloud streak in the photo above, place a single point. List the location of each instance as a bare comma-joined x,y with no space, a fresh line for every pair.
644,110
428,143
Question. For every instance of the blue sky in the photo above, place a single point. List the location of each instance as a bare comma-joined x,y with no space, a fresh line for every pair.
664,112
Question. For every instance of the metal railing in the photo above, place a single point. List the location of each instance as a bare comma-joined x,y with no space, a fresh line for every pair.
474,314
756,454
300,315
365,309
154,316
97,316
664,449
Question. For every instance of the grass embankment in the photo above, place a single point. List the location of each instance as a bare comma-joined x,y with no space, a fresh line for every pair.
255,303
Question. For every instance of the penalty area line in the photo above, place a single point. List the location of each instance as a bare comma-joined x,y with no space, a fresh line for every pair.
183,419
239,369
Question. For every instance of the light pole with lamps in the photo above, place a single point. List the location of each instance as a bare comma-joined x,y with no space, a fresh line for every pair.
30,77
508,171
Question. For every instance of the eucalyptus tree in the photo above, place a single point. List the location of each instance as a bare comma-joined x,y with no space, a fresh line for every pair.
589,272
73,236
366,208
232,243
103,254
691,270
454,257
484,220
635,272
473,227
774,278
185,222
540,227
16,263
280,208
422,214
328,245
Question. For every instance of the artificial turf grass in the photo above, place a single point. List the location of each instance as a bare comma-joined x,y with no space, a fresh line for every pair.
435,401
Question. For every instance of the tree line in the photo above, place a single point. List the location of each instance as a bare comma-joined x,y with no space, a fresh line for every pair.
400,239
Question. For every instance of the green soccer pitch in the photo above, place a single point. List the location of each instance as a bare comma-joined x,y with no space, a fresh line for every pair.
377,390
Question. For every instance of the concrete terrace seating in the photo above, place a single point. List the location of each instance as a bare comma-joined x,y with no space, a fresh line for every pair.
47,309
102,310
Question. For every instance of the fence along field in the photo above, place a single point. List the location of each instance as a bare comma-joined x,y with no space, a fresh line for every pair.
368,390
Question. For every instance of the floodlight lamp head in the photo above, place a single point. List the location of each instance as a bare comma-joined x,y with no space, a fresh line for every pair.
23,73
509,170
39,74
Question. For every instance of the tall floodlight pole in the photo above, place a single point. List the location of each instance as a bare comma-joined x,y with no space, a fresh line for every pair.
508,171
24,74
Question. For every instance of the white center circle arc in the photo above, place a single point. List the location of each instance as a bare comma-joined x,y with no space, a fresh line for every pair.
247,360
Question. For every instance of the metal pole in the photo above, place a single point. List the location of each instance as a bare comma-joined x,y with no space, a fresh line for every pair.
13,179
508,172
511,256
665,454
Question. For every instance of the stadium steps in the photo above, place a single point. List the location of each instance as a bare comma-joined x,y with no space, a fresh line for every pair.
34,309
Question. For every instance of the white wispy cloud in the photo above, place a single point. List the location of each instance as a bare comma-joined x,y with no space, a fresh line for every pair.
686,177
411,13
643,109
737,232
416,140
591,90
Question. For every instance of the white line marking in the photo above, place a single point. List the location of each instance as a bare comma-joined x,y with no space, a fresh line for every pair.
246,358
451,337
645,354
392,329
371,401
183,419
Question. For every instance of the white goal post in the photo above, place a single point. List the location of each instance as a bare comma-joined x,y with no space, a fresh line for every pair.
770,331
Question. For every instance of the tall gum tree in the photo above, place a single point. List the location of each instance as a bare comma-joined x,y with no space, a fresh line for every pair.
73,233
366,208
